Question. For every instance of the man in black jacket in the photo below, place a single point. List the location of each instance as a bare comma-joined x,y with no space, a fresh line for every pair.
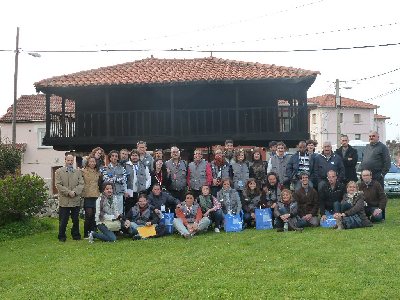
350,158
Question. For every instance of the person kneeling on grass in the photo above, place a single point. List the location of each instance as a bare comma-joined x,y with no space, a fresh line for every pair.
143,214
285,212
107,216
352,211
211,208
189,219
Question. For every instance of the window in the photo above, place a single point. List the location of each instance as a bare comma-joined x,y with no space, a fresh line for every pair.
357,136
357,118
314,119
41,133
341,117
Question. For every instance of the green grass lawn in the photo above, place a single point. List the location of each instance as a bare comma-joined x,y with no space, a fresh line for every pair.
316,264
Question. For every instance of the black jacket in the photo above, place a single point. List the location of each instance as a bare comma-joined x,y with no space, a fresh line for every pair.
349,165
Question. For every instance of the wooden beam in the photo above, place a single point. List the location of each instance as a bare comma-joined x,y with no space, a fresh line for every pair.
107,98
48,120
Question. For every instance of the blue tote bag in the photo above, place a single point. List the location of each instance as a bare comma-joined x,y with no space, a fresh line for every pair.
233,222
263,218
168,221
329,222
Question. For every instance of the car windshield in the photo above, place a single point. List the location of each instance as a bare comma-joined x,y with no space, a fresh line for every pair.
394,168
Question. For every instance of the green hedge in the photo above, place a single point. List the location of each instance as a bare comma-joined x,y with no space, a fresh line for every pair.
20,197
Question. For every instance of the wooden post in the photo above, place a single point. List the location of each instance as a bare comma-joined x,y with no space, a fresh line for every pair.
48,117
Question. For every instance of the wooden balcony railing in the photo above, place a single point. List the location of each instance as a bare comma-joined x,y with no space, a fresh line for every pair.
179,123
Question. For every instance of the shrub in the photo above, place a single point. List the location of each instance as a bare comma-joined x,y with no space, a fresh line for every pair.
10,159
21,196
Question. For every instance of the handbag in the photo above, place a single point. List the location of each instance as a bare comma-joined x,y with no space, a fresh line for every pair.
233,222
168,222
263,218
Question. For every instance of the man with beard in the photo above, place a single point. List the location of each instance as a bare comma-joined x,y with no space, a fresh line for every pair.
229,152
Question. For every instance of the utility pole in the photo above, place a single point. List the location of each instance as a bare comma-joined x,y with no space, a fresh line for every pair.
337,105
14,116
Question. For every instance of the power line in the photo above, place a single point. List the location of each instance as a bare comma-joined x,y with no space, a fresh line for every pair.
213,51
301,35
215,27
384,94
371,77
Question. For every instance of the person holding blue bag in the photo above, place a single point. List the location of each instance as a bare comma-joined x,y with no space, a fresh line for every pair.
330,196
211,208
249,199
307,201
352,209
286,213
231,206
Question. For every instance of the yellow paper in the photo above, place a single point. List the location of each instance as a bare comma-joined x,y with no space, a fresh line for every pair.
147,231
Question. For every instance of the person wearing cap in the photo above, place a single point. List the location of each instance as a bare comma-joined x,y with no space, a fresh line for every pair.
307,203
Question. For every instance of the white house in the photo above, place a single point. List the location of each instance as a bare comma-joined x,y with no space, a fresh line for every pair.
355,119
30,130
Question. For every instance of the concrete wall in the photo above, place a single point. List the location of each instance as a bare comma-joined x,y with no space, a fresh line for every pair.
36,159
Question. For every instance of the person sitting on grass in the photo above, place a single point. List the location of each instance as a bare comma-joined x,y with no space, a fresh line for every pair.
286,212
330,195
352,212
107,216
143,214
250,199
229,198
375,197
211,208
307,201
189,219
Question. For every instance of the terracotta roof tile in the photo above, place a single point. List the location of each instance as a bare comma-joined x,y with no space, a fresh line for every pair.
33,108
329,100
377,116
157,71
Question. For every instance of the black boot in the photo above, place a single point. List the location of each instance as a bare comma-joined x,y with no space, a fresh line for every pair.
293,226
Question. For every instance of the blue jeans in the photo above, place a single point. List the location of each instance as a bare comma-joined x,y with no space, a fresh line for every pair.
181,228
106,234
217,217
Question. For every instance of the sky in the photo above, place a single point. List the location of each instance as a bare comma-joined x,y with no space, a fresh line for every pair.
255,31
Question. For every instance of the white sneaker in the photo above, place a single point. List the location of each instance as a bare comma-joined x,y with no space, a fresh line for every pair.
91,238
217,230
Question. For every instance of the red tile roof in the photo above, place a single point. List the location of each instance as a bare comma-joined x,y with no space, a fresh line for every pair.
376,116
33,108
167,71
329,100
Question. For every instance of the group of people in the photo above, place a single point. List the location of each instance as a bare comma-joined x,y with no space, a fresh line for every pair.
134,189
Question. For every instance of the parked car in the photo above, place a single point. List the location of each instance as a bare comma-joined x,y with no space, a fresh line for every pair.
392,181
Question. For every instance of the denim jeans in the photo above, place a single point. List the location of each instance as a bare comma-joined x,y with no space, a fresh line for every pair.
63,217
181,228
106,234
217,217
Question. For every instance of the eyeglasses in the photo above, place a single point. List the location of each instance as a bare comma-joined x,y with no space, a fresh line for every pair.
372,136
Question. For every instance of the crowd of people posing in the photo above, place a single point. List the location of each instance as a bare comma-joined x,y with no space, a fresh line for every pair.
134,190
